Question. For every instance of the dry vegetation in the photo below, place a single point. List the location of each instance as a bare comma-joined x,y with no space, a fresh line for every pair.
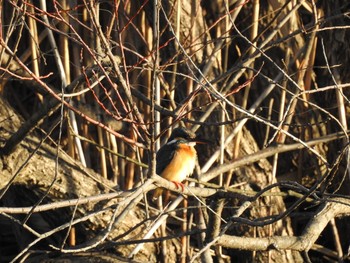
91,89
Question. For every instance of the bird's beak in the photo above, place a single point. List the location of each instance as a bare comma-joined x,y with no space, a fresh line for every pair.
201,141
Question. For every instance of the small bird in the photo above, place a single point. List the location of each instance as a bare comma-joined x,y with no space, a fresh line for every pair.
177,158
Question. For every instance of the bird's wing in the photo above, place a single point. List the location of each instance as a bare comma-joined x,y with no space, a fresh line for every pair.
164,157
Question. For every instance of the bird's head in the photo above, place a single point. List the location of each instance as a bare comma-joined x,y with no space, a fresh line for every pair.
185,136
183,133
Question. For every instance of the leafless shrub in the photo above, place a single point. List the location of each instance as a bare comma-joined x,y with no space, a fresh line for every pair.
91,89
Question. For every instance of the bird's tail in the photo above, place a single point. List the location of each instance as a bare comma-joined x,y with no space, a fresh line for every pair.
157,193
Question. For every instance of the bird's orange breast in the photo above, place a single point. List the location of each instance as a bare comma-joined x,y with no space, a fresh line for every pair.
182,164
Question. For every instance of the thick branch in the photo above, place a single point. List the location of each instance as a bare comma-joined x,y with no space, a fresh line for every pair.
333,208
